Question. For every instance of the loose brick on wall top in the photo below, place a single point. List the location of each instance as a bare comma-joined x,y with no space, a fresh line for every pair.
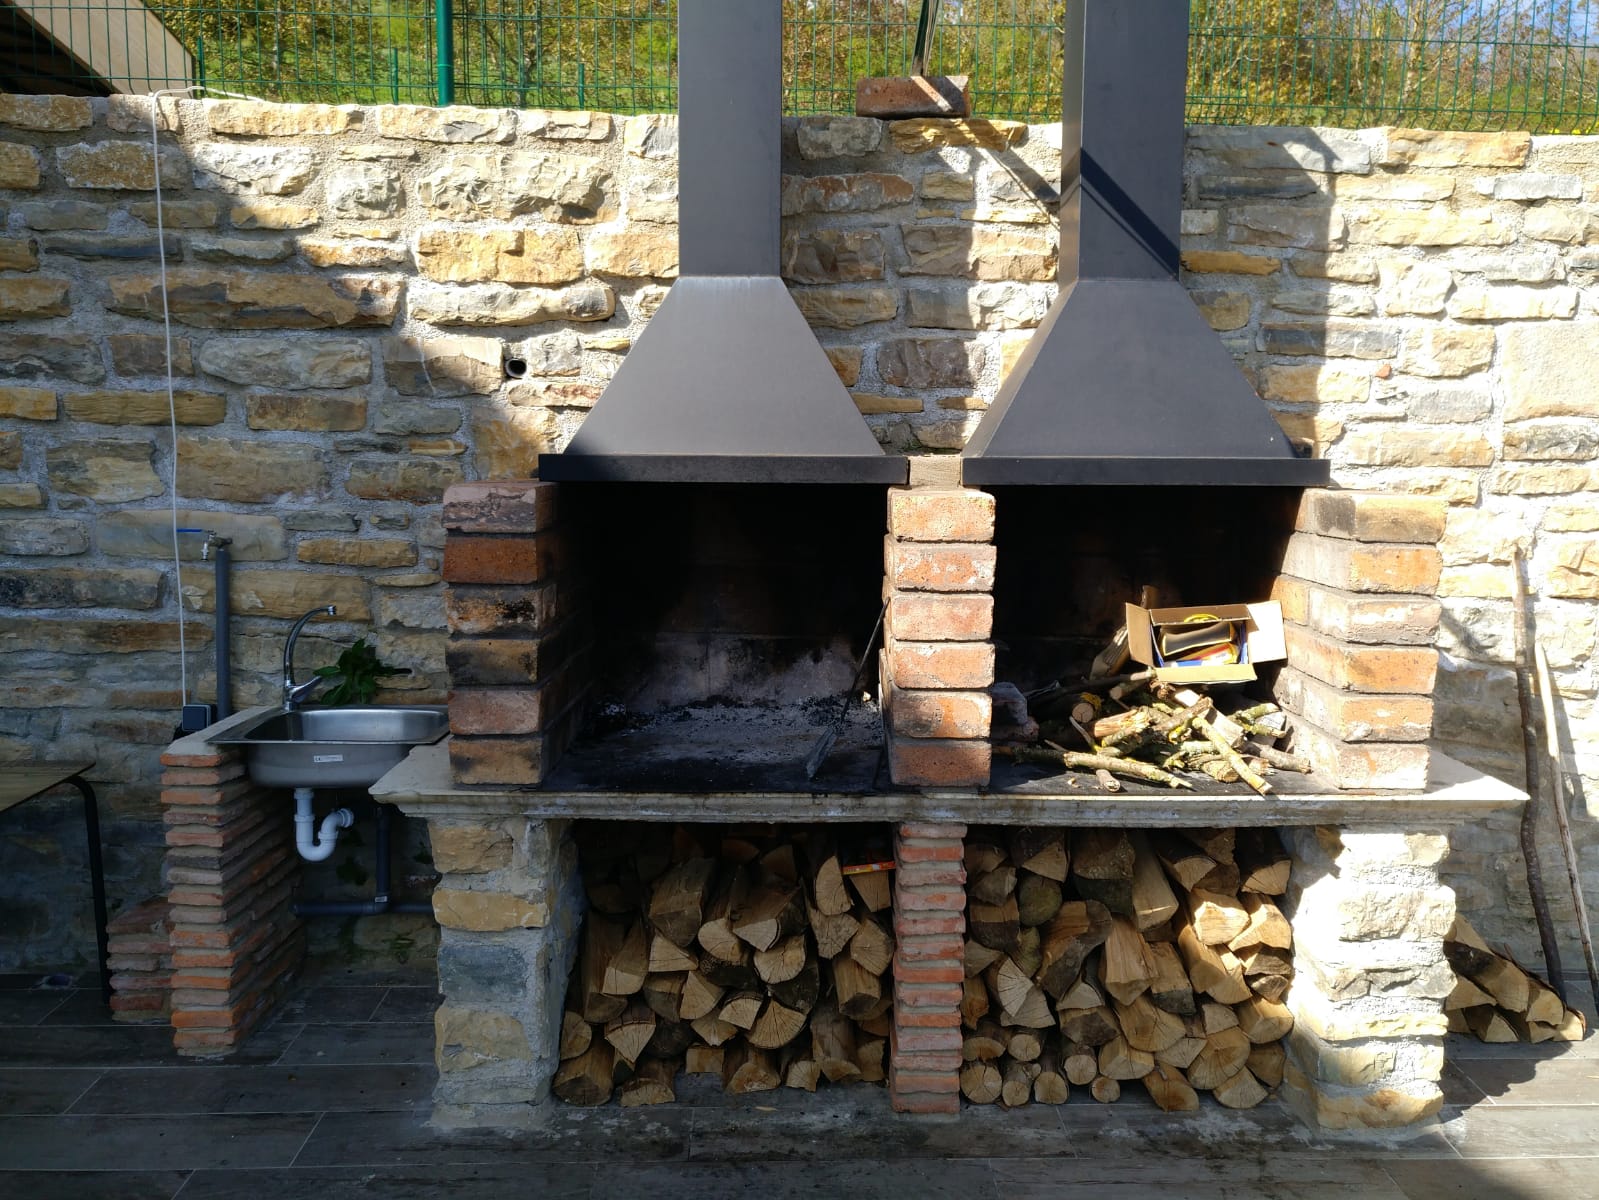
504,506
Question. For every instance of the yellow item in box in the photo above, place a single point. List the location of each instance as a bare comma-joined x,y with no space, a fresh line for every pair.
1256,636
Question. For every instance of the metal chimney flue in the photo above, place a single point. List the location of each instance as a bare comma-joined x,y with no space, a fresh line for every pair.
1124,382
727,384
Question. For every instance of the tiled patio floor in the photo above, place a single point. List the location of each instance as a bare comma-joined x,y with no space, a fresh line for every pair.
330,1101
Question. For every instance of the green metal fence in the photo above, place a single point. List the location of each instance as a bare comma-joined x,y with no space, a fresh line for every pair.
1464,64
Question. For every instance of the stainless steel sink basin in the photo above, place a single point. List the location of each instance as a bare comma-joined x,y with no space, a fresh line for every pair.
333,747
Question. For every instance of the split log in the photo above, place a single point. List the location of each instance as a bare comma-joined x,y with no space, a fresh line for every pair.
986,1043
776,1026
778,863
981,856
738,975
1187,865
1506,983
1153,901
770,913
1242,1090
1038,899
1263,864
1218,844
1105,1089
875,888
981,1082
871,1055
829,894
1169,1090
1216,1017
1050,1084
586,1079
783,961
1024,1045
1224,1055
1081,1065
703,1060
671,1040
858,990
713,1030
1266,1063
1264,960
977,957
1082,994
1466,951
974,1001
1127,967
799,1072
872,947
666,956
993,887
1146,1027
677,902
741,1009
1171,989
833,1045
997,926
1184,1050
1465,995
747,1068
801,992
832,932
1078,928
1120,1061
881,1025
1215,917
1210,969
1016,1086
1089,1026
576,1034
1264,1020
1020,999
602,942
700,997
664,995
1267,926
1102,868
1272,987
1040,850
1489,1025
716,930
652,1083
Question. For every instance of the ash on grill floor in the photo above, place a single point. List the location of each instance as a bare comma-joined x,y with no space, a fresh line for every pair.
719,746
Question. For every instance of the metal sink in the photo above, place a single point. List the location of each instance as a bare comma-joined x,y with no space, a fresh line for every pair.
333,747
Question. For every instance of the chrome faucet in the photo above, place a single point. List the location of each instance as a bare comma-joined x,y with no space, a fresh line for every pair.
294,693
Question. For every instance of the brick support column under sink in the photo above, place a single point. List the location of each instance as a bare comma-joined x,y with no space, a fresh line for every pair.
517,650
1357,593
938,659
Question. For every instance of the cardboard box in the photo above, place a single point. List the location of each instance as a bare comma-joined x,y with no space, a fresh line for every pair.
1262,635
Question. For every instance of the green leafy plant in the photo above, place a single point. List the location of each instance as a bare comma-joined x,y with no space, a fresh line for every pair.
357,670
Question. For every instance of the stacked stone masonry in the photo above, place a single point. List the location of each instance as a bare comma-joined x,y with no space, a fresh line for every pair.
938,662
929,950
518,644
1420,307
231,871
1369,917
1360,617
509,907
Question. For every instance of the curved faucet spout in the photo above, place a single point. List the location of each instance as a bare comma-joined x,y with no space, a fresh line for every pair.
293,692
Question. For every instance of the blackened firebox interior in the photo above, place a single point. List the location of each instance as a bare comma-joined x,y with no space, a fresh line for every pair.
727,624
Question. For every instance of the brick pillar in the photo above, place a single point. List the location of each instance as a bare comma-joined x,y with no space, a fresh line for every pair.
929,967
517,651
1360,618
938,660
139,953
1370,977
230,871
509,908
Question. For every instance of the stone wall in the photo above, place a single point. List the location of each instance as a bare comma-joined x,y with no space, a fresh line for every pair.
346,283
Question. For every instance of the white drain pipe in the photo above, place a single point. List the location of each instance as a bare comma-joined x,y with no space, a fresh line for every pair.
313,844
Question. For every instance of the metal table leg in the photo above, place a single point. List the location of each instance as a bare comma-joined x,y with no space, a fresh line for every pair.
91,824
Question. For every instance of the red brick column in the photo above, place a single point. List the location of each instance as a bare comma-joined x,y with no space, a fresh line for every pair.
517,652
139,953
929,956
231,871
938,661
1360,619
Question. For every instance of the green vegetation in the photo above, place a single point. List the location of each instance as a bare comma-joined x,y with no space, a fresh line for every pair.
1468,64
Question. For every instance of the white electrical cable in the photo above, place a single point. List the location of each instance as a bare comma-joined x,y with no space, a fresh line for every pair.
166,323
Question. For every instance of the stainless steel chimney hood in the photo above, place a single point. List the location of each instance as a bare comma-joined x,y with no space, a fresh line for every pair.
1124,382
728,383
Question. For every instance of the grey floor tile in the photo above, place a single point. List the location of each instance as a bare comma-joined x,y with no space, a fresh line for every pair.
546,1181
82,1006
29,1007
408,1004
1185,1177
376,1042
41,1091
572,1135
1512,1131
1504,1178
326,973
1535,1081
1459,1089
66,977
151,1143
87,1046
91,1185
322,1005
858,1179
259,1089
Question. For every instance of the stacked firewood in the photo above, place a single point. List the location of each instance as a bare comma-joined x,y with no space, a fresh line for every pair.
758,956
1098,957
1497,1000
1156,733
